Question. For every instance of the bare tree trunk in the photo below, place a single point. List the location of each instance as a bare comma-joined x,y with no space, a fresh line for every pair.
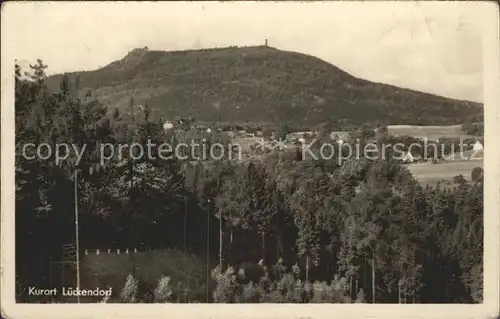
185,233
50,271
356,291
278,246
201,240
399,292
350,286
63,278
185,225
373,278
208,256
202,249
365,278
77,236
307,269
220,242
405,293
263,234
51,276
230,243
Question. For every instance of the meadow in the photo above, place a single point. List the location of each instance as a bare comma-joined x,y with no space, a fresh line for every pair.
427,173
187,273
430,131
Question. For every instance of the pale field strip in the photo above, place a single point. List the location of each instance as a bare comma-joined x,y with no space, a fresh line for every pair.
430,132
430,173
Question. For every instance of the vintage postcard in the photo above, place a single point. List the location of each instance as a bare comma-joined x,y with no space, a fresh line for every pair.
250,159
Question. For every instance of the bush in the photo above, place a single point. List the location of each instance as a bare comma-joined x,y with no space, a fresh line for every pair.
252,293
360,298
130,290
286,288
459,180
105,299
476,173
226,289
163,292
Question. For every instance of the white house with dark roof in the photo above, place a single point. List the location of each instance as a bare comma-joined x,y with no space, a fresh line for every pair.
408,158
478,146
167,125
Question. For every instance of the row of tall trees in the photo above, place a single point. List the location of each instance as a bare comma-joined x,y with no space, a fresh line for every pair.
368,222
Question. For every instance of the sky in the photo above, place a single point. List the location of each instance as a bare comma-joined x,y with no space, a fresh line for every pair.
434,47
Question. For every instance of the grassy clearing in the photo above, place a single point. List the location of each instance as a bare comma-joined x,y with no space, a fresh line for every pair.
187,272
431,132
428,173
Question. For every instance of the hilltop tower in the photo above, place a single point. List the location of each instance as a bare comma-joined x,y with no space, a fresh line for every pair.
265,43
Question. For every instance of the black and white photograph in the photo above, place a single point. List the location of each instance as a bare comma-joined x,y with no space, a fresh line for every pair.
250,153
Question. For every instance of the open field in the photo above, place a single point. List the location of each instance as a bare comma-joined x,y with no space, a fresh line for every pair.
187,272
431,132
428,173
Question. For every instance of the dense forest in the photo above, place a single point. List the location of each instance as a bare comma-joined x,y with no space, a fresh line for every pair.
262,85
358,231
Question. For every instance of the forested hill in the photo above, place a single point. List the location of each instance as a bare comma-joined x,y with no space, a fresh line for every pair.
264,85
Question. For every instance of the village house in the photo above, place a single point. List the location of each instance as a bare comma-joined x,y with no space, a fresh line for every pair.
168,125
477,146
408,158
340,137
477,150
294,136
